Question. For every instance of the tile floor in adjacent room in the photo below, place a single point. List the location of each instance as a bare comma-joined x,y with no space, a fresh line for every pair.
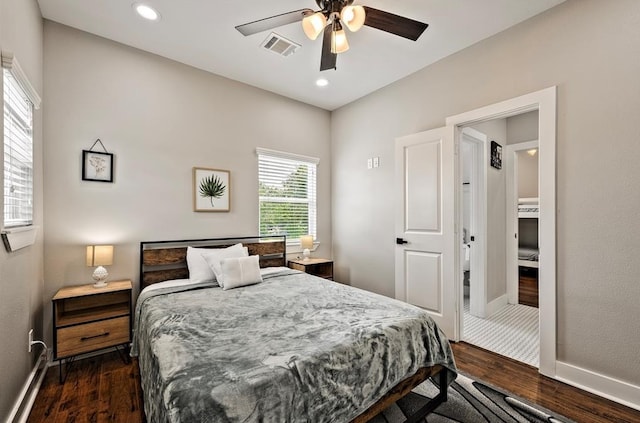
512,332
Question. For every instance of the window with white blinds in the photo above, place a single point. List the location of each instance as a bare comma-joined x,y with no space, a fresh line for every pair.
287,194
18,154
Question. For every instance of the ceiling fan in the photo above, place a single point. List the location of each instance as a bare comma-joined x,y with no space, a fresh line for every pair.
331,19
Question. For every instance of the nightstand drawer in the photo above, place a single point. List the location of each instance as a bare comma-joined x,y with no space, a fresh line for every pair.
92,336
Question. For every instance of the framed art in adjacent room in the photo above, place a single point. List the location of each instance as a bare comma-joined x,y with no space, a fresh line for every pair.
211,190
496,155
97,166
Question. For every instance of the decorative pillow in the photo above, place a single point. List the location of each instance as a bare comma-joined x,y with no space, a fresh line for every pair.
240,271
199,268
213,258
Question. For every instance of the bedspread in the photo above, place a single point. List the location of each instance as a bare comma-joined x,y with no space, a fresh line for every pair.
294,348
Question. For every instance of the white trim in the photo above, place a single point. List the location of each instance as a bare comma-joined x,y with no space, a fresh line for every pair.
478,259
604,386
526,263
295,248
495,305
11,63
545,102
24,402
19,237
285,155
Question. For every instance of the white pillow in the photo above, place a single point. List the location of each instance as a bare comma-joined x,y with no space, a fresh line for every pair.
240,271
199,269
213,258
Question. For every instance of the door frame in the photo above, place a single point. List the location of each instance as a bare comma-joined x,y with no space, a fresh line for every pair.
513,236
478,224
545,102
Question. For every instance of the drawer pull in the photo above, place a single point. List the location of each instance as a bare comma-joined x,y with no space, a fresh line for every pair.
85,338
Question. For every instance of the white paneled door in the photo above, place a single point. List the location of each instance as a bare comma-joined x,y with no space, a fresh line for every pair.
425,224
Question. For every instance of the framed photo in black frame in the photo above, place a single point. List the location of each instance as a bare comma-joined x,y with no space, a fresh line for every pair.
496,155
97,166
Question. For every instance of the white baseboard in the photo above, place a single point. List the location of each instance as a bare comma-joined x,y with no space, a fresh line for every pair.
22,407
497,304
24,403
601,385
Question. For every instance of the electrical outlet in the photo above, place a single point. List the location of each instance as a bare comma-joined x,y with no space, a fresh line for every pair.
369,163
376,161
30,339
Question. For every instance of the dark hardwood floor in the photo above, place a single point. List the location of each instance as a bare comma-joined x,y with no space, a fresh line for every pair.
104,389
525,381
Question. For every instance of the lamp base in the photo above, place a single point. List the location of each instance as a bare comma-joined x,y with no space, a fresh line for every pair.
100,275
306,253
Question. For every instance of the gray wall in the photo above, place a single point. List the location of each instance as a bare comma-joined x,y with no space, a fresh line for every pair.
160,118
527,175
590,50
21,284
523,128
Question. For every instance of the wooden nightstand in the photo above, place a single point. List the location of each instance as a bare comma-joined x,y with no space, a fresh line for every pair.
314,266
87,319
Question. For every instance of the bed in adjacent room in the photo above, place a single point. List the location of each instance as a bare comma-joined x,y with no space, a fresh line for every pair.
272,343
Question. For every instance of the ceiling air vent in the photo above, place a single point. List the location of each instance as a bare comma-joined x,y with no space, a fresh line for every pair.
278,44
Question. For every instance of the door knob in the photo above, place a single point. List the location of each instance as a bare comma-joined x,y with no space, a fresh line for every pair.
401,241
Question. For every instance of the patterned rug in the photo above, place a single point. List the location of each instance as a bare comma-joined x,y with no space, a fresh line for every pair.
469,401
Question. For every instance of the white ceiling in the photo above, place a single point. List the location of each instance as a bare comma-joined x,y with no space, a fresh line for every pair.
202,33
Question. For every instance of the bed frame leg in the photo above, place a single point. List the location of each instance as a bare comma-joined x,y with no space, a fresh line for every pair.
434,402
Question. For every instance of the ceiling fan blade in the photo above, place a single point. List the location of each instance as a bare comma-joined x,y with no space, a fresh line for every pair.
328,59
272,22
394,24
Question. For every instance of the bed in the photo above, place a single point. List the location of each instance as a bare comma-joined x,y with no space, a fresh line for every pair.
293,347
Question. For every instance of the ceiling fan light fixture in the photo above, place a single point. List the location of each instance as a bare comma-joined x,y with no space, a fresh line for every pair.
339,42
353,17
313,24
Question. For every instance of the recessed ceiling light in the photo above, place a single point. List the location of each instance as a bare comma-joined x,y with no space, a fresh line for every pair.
146,11
322,82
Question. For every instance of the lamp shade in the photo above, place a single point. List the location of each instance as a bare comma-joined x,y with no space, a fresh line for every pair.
313,25
99,255
306,241
339,42
353,17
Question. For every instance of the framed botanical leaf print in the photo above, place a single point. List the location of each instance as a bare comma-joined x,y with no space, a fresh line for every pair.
211,190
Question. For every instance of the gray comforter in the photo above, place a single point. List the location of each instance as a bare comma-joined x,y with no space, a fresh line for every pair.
295,348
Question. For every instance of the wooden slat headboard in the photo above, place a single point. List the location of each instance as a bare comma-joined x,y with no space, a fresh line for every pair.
166,260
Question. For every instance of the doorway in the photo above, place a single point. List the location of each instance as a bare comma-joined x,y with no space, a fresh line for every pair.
474,227
544,102
492,317
428,218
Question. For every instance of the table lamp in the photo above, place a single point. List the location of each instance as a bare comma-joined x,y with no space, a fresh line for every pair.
100,255
306,242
